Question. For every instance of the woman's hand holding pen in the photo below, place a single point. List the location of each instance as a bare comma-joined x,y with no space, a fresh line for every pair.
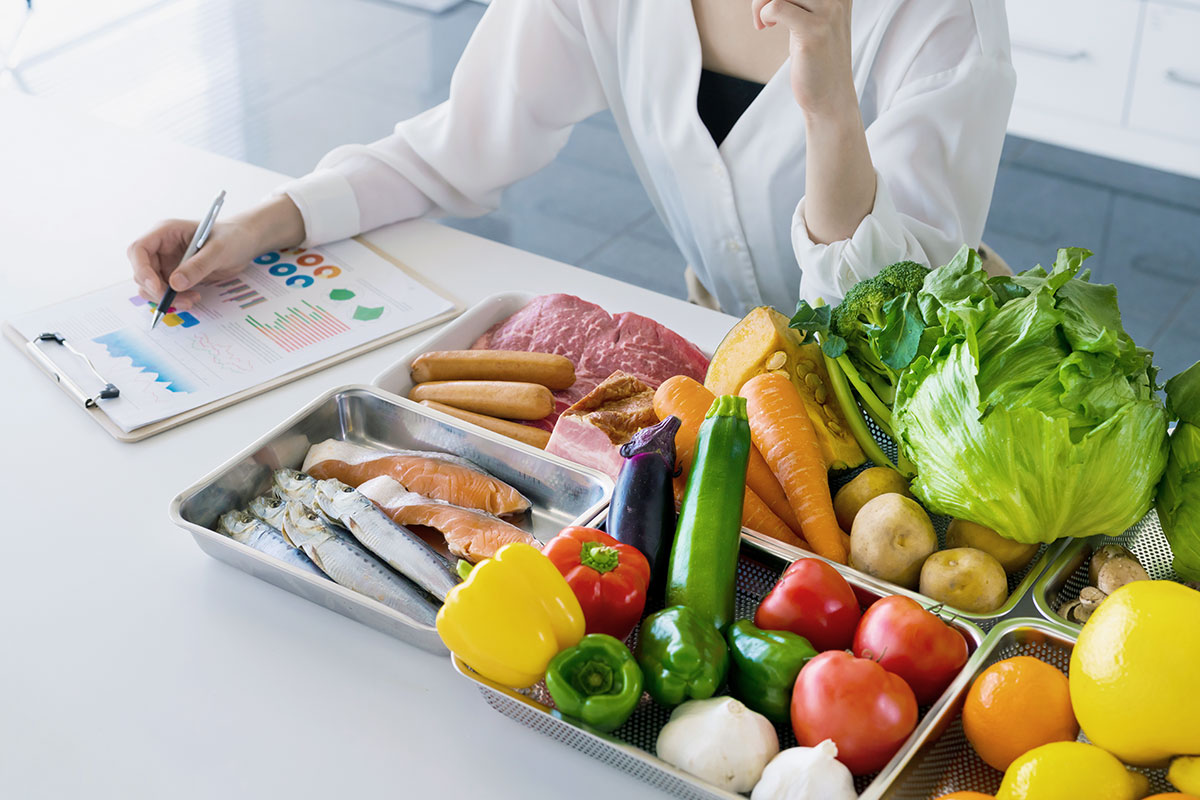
839,180
273,225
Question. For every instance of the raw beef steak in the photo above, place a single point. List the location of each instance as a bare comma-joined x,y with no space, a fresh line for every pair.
597,343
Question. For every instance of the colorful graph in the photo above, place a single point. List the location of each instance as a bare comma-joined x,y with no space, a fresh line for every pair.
172,318
237,291
298,328
221,355
144,357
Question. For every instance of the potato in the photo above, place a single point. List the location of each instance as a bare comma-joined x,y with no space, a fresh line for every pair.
866,485
1011,555
891,538
965,578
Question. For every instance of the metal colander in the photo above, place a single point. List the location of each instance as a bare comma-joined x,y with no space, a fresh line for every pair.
1019,583
630,748
937,763
1068,573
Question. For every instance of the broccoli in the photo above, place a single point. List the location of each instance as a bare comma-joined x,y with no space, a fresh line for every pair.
862,317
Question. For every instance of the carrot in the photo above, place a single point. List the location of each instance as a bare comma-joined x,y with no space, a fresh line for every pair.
690,401
781,430
755,516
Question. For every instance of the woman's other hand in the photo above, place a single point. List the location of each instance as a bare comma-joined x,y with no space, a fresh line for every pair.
822,76
274,225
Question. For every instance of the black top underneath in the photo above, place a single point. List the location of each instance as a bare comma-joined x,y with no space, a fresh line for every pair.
721,100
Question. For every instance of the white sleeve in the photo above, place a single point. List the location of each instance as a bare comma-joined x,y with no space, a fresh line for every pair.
936,150
525,78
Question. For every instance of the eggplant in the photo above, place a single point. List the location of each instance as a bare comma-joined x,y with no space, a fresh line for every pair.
642,512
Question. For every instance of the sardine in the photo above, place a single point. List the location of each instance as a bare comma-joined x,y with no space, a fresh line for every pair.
270,508
295,485
395,544
353,567
254,532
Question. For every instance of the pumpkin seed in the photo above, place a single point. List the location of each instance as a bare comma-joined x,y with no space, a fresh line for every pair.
776,361
820,394
813,380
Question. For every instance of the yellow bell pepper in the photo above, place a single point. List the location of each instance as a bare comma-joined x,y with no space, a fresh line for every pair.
510,616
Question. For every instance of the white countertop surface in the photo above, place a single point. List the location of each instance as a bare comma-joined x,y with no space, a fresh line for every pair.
132,664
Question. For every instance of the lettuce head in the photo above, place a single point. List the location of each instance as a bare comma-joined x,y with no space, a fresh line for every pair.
1179,490
1034,413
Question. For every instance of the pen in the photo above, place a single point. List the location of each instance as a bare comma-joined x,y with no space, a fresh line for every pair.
198,240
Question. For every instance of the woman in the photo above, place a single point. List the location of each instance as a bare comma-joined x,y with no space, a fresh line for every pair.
875,137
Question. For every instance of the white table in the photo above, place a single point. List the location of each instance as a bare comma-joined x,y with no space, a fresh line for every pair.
131,664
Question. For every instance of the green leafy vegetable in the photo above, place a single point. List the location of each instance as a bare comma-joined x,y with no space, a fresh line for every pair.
1179,491
1032,411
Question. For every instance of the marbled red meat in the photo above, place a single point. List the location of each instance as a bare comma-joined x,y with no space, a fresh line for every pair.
598,343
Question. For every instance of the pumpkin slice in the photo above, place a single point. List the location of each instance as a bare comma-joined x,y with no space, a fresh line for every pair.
763,342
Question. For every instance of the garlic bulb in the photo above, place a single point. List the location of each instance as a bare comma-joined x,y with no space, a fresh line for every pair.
719,740
806,773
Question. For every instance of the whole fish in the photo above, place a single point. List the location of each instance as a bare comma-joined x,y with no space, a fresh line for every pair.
395,544
254,532
294,485
270,508
353,567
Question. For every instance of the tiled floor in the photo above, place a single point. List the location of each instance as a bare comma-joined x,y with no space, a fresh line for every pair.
280,82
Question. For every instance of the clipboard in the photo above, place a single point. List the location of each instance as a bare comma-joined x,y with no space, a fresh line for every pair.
92,403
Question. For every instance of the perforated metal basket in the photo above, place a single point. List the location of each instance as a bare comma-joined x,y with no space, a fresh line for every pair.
1020,582
939,758
630,748
1068,573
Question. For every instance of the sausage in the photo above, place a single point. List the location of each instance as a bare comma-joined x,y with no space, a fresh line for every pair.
506,399
513,430
551,371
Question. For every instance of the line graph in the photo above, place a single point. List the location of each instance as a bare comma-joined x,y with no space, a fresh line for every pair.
221,355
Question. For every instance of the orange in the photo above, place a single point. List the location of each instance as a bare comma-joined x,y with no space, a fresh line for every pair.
968,796
1016,705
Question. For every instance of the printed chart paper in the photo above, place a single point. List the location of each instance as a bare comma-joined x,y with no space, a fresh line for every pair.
287,310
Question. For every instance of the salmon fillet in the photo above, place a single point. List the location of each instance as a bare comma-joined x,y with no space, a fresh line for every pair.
436,475
470,534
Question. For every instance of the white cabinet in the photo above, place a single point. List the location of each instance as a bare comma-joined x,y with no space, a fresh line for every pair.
1119,78
1071,59
1166,89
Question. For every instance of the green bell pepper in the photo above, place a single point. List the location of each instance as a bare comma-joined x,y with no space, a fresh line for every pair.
597,681
682,656
765,666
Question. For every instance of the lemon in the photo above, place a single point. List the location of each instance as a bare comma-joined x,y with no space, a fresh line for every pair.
1184,774
1133,673
1070,771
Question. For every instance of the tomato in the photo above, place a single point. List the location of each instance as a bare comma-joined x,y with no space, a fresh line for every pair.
813,600
867,711
913,643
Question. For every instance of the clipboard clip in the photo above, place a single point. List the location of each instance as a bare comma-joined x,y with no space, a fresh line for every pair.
107,393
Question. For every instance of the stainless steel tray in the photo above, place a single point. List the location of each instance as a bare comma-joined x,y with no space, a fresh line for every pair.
630,748
1068,573
562,493
938,758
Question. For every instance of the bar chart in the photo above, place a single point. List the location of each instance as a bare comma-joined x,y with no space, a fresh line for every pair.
239,292
300,327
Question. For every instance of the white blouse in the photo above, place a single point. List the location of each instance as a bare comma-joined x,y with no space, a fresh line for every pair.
935,86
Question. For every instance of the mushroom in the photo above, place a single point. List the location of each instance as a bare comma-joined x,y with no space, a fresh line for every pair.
1081,609
1116,572
1102,556
1069,610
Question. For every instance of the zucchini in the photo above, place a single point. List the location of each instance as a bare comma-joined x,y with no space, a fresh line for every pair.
704,557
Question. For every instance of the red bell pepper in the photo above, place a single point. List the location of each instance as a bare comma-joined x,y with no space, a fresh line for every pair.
608,578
